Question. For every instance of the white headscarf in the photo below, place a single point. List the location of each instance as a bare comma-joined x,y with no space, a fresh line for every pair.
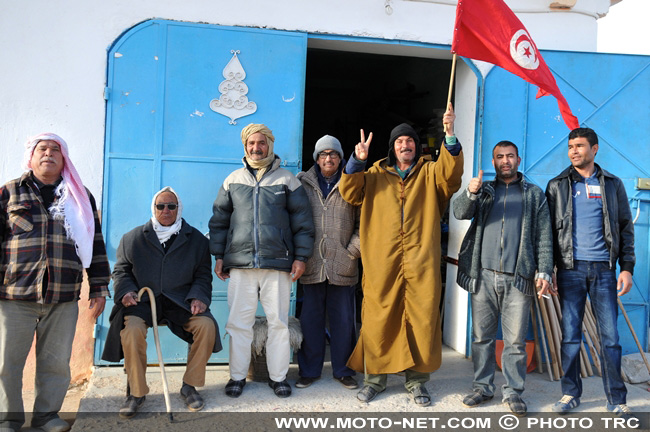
73,205
165,232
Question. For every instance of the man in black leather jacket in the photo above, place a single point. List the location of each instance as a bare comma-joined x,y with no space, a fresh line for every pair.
592,230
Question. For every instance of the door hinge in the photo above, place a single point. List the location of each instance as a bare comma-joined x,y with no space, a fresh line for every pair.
107,93
643,183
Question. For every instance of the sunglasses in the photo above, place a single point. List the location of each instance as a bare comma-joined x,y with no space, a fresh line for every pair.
171,207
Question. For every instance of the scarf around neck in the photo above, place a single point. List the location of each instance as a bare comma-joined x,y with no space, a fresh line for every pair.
73,206
165,232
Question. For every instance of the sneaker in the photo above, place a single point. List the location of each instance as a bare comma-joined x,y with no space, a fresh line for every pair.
280,388
131,405
517,405
234,389
475,399
304,382
367,394
566,404
348,382
620,410
192,398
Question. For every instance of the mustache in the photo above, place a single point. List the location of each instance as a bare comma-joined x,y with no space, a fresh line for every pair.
257,152
48,159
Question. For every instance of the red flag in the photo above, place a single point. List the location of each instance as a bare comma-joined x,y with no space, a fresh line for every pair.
488,30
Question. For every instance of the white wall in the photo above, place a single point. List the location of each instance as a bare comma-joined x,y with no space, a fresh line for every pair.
54,53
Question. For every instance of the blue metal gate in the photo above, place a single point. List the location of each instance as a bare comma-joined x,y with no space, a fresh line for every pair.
178,95
609,93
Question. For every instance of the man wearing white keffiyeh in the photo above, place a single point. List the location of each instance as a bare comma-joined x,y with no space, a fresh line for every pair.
172,258
49,232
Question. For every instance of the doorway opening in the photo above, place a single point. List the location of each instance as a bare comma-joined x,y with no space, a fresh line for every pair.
347,91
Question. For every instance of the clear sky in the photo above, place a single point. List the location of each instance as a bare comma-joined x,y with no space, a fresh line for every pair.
626,28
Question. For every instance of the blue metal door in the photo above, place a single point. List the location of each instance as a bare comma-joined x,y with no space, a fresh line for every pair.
609,93
178,95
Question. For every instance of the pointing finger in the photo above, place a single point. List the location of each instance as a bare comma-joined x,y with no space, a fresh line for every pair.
363,137
480,175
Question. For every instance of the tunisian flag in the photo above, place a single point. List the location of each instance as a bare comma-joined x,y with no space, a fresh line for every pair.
488,30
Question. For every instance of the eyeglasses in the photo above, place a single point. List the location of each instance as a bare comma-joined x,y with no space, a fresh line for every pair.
331,154
171,207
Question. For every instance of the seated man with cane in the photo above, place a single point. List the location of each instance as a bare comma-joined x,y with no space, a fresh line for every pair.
172,258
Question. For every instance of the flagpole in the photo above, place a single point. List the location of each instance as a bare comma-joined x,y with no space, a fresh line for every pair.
451,79
451,83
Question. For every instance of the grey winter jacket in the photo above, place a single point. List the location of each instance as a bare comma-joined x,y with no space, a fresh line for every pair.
336,245
265,224
618,226
535,246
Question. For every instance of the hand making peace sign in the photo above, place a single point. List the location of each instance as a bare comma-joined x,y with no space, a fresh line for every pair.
361,149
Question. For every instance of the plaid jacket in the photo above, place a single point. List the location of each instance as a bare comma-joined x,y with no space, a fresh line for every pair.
33,245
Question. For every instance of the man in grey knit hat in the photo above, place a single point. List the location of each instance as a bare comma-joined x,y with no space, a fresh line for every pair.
331,272
512,225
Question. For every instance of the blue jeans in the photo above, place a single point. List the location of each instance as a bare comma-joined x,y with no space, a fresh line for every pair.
597,279
54,327
321,301
496,295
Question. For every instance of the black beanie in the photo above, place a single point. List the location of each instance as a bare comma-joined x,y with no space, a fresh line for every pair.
398,131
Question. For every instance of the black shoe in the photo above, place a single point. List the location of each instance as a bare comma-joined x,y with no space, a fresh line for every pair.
192,398
234,388
305,382
130,407
475,399
348,382
421,395
280,388
367,394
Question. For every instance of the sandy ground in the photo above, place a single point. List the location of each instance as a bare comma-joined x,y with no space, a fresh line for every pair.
94,406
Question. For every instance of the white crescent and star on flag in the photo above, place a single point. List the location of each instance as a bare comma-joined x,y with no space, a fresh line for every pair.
523,51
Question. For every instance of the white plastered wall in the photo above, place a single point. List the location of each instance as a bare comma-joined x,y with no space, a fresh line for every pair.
54,53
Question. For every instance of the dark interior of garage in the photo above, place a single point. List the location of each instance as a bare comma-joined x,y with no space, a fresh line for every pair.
348,91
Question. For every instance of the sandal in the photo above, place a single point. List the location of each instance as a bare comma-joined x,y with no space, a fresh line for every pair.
421,395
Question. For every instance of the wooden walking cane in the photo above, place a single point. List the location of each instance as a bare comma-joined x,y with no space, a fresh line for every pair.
154,317
543,338
636,339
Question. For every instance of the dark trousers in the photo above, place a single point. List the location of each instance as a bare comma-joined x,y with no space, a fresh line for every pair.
597,279
321,301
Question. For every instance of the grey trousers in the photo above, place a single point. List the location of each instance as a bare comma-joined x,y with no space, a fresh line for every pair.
54,326
497,297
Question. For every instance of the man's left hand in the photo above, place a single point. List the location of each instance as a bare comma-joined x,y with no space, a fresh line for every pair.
97,303
297,269
624,283
197,307
448,120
